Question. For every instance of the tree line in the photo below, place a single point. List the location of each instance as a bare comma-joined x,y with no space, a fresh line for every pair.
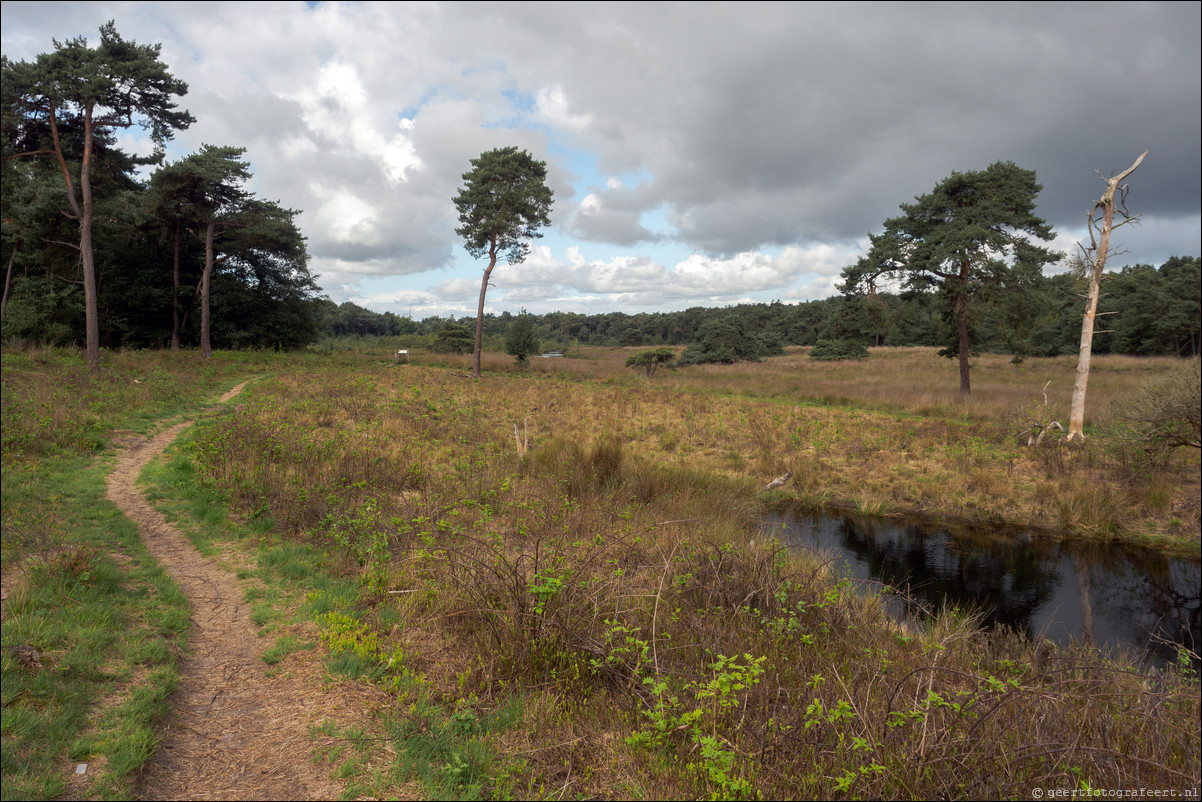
1147,311
95,253
189,258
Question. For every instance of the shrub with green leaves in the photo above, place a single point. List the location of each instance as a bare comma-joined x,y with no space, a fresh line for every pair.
838,349
651,361
727,339
454,338
520,342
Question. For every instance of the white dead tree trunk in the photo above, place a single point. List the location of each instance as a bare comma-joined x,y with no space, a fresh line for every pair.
1093,259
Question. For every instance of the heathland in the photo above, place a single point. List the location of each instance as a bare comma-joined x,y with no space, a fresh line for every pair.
553,579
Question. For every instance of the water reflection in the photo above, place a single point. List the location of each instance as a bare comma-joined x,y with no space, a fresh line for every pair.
1116,597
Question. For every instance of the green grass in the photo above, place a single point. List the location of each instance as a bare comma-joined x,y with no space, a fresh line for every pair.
105,620
443,749
450,754
284,646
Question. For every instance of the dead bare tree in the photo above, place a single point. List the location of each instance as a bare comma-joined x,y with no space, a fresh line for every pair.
1038,420
1093,261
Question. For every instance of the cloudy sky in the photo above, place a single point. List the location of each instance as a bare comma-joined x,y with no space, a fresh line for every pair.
700,154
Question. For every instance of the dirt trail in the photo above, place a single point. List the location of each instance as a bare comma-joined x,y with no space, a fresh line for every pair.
236,733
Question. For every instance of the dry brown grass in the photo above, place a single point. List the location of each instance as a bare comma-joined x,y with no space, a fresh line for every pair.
605,577
916,380
866,435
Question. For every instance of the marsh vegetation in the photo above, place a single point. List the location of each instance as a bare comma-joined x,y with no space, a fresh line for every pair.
587,609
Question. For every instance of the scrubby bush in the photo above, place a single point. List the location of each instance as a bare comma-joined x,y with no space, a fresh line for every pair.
724,340
520,342
454,338
1164,415
838,349
651,361
770,343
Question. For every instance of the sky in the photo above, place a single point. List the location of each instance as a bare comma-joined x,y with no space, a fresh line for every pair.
701,154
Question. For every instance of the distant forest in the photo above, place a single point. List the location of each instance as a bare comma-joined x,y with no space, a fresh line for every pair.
189,258
149,243
1145,311
264,297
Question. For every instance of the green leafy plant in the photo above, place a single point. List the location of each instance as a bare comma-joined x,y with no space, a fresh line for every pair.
520,342
651,361
703,719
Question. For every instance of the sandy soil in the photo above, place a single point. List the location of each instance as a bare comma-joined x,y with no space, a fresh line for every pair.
236,733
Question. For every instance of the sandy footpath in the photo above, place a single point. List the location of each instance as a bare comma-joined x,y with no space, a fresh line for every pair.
235,732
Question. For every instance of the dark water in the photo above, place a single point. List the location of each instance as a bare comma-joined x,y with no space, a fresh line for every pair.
1120,598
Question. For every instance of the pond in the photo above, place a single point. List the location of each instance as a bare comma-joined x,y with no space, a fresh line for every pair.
1117,597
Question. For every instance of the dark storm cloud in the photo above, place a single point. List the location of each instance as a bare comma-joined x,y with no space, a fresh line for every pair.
748,125
768,124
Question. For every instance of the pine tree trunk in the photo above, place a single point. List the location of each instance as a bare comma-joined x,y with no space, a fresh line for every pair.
175,321
91,303
206,349
8,280
492,262
961,308
83,216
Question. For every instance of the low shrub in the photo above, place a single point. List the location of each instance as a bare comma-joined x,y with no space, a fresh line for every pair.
838,349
